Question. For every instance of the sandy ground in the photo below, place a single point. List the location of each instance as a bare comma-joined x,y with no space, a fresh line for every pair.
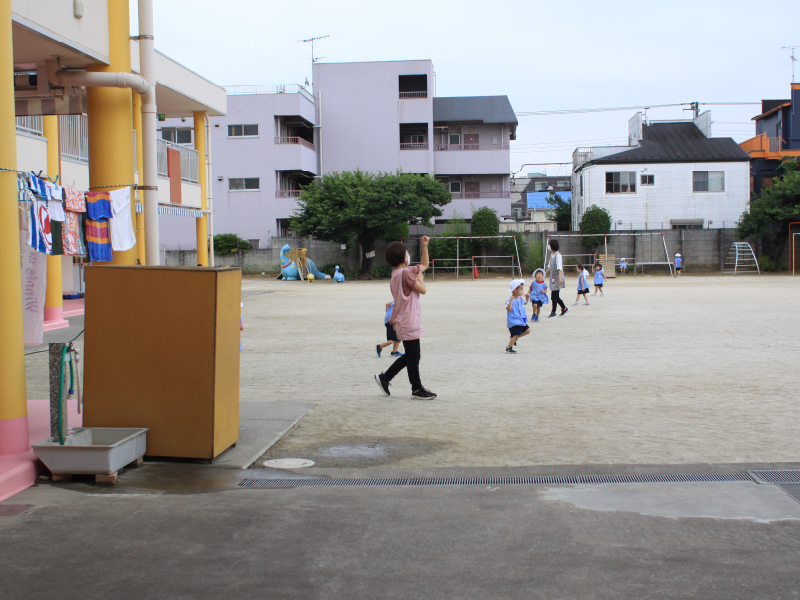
694,370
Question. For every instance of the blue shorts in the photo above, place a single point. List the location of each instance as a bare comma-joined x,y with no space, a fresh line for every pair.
518,329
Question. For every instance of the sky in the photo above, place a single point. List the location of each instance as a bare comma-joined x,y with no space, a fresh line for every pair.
542,55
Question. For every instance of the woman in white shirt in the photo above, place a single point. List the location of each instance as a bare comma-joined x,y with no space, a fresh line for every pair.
555,271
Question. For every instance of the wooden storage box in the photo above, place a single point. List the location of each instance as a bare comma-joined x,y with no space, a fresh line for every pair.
162,352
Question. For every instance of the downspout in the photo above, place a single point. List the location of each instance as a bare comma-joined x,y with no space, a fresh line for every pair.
210,197
149,124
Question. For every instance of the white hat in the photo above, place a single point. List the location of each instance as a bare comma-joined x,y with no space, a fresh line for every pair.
538,271
677,254
515,283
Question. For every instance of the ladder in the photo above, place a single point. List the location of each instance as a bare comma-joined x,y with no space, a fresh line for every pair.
740,259
608,262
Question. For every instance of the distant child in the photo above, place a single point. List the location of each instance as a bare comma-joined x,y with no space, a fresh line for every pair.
623,265
516,317
678,263
391,335
583,287
538,294
599,279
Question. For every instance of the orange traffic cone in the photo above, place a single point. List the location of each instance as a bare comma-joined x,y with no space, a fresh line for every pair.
476,272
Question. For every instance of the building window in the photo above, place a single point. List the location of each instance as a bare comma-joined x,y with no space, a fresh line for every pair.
621,182
540,186
177,136
708,181
455,139
242,130
413,86
562,183
648,179
767,181
455,186
247,183
417,139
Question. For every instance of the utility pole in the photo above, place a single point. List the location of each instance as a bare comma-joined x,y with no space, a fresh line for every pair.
312,41
792,58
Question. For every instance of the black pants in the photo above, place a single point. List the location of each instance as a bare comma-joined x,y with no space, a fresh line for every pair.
555,298
410,361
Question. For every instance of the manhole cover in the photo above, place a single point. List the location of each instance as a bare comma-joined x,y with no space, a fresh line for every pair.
289,463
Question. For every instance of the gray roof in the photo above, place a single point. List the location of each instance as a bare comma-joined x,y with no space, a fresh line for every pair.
676,142
475,109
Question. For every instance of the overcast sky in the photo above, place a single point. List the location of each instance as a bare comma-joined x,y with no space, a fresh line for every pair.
543,55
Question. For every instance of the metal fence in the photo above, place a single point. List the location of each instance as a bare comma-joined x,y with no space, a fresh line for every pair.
287,88
74,137
190,161
31,124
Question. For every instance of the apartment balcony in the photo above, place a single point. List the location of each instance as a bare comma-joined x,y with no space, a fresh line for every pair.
414,146
581,156
288,193
770,148
406,95
295,154
472,159
479,195
190,161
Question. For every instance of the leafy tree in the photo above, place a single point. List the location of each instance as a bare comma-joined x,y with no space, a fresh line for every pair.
595,220
395,232
229,243
772,211
484,222
368,206
561,213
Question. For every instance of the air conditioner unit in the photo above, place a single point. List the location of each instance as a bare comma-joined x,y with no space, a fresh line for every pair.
441,129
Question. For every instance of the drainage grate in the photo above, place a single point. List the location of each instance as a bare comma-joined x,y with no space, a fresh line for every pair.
792,489
534,480
776,476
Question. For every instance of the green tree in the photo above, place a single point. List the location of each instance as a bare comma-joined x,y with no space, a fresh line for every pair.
772,211
484,222
561,213
594,220
367,206
229,243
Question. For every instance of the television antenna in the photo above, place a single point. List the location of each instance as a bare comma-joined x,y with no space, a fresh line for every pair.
312,42
792,58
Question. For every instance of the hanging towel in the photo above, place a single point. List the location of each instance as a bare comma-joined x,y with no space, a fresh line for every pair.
39,236
122,235
98,205
56,235
71,234
37,186
56,210
54,191
74,200
97,240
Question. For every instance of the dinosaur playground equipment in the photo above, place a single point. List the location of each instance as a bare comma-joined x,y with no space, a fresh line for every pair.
296,265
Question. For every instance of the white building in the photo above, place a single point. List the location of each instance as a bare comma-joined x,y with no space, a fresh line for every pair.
670,176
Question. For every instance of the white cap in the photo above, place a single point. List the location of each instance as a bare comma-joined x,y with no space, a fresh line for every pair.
515,283
538,271
677,254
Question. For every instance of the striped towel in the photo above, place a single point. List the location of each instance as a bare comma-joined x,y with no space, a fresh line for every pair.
98,241
98,205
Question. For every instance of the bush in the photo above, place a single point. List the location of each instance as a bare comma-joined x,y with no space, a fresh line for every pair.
382,272
765,263
535,258
229,243
595,220
330,269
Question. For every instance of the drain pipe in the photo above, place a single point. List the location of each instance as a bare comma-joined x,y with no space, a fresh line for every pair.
149,124
67,78
209,195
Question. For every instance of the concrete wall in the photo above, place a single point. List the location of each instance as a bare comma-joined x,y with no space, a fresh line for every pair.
75,174
652,207
31,153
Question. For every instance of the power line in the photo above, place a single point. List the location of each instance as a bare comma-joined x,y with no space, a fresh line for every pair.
545,113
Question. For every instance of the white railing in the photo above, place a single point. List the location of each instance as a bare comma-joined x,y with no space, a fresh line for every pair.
190,161
288,193
449,147
583,155
74,137
414,146
288,88
31,124
469,195
295,140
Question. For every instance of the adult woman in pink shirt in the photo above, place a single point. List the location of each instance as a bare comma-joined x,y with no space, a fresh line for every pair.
407,284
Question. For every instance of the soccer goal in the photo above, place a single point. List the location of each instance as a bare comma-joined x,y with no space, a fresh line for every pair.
640,249
457,263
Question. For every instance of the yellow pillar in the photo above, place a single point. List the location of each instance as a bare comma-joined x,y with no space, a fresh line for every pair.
54,297
202,222
13,401
137,127
111,119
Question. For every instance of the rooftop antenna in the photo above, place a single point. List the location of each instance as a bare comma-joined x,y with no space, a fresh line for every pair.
312,41
792,58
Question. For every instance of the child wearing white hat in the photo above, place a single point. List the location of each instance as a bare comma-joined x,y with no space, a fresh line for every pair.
678,263
516,317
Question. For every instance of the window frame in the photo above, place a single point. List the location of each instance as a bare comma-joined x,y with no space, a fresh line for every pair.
457,184
707,183
173,133
650,176
243,134
244,181
630,183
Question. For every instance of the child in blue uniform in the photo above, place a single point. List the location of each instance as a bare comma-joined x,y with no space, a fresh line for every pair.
678,263
623,265
538,294
391,335
516,317
583,287
599,279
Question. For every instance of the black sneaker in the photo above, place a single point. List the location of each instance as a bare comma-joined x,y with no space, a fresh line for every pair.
563,312
510,350
422,394
384,384
553,315
378,349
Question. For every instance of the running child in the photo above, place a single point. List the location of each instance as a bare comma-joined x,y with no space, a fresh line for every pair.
516,317
583,287
623,265
538,294
407,284
678,263
599,279
391,334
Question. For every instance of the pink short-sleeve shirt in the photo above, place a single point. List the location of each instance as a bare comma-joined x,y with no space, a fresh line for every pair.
407,315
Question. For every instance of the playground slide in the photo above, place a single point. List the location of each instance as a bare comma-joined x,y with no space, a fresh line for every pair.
312,268
288,268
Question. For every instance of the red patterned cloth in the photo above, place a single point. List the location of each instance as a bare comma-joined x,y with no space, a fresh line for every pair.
74,200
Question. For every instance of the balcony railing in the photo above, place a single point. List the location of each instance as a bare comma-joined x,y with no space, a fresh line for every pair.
288,88
74,137
414,94
32,125
473,195
296,140
762,143
450,147
190,161
288,193
583,155
414,146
